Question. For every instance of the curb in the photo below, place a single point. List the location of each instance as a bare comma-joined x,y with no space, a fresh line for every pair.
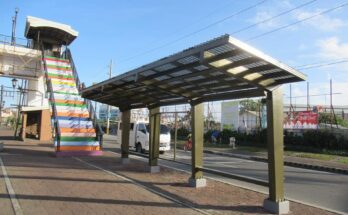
286,163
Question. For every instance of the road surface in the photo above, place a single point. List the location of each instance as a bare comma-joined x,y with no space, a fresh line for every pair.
318,188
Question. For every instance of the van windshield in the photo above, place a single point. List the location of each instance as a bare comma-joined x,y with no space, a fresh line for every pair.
164,129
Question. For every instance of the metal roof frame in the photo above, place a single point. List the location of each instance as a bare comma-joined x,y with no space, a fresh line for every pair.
220,69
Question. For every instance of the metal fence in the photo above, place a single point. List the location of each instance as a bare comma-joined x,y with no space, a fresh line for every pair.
16,41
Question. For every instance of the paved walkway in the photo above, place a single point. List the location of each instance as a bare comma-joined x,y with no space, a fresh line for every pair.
45,184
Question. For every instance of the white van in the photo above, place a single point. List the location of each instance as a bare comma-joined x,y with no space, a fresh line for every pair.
139,137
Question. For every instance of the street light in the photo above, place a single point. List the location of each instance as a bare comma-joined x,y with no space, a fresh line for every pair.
14,82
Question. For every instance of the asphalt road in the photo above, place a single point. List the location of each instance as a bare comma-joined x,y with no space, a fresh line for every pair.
323,189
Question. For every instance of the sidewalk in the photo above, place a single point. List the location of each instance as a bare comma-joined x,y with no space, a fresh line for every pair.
45,184
288,160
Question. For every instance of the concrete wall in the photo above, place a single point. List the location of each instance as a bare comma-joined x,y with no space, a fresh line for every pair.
36,93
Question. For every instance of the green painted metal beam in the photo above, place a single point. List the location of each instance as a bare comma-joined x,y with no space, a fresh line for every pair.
155,120
197,140
275,144
125,133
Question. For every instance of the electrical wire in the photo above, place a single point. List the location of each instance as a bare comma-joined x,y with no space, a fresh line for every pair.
273,17
197,31
312,66
189,25
317,63
298,22
235,32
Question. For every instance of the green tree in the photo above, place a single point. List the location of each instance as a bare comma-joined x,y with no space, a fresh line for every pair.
249,104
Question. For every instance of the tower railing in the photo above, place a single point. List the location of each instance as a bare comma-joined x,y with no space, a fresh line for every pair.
56,127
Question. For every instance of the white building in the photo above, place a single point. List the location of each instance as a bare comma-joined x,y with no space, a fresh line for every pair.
234,119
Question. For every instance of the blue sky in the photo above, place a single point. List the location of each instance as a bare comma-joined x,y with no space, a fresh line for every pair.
125,31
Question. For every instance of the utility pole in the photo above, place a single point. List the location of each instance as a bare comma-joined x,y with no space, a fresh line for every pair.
291,107
308,107
14,23
95,103
108,107
332,110
175,133
1,102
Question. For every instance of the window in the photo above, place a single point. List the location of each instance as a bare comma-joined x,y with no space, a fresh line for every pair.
142,128
164,129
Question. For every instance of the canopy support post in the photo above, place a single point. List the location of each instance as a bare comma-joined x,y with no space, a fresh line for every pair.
155,124
125,136
197,180
275,141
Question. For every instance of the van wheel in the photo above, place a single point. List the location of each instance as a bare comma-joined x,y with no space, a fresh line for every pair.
161,152
139,148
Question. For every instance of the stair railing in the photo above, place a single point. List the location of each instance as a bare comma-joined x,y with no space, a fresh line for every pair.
53,105
88,102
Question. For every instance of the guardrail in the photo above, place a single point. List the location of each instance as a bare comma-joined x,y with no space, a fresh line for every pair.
16,41
88,102
53,105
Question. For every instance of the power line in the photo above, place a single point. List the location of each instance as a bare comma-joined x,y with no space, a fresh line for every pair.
273,17
318,63
197,31
298,22
322,65
191,24
235,32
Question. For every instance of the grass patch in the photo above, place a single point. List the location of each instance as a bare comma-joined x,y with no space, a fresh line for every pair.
343,160
324,157
318,156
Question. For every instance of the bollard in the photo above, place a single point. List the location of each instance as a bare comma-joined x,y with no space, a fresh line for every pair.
233,142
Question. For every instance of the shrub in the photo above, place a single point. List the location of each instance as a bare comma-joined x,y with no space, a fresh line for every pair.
311,140
182,133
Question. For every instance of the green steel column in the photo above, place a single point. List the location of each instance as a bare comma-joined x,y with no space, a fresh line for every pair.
275,144
197,140
155,120
125,133
175,134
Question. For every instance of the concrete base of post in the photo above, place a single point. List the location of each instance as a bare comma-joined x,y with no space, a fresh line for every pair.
124,160
1,146
282,207
153,169
197,183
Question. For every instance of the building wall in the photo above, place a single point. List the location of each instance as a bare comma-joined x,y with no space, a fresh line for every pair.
230,115
114,112
248,120
36,93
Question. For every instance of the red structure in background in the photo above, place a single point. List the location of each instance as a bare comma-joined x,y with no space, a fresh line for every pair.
301,120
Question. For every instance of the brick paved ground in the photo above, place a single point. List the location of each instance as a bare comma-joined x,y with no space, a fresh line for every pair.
45,184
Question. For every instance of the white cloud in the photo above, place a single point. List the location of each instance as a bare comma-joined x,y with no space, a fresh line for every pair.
264,15
302,47
332,48
321,22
